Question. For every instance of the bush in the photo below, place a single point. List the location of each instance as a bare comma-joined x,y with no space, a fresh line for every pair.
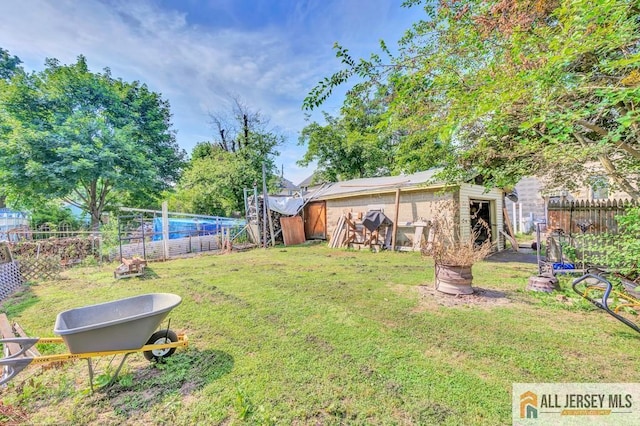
54,214
620,251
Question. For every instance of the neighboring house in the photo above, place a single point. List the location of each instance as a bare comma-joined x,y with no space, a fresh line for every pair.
418,198
531,206
11,220
286,187
311,184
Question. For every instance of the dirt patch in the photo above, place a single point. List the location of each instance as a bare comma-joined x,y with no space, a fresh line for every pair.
430,297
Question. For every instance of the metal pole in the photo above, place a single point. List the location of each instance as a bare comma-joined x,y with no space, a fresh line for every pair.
264,205
255,202
119,238
144,250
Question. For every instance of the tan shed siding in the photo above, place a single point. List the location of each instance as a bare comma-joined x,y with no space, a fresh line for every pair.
339,206
415,205
475,192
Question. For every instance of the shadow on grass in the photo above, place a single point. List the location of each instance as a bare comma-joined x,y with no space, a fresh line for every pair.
149,274
22,299
182,374
509,256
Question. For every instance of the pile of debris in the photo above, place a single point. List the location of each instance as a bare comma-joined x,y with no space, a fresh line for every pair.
133,267
69,250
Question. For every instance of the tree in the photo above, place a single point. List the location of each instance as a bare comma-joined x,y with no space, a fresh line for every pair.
509,88
218,171
85,137
9,65
354,145
235,127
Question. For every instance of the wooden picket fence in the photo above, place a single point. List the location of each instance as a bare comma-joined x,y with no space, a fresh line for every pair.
594,217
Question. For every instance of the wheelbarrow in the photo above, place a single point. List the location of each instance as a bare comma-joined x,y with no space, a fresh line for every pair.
123,326
599,291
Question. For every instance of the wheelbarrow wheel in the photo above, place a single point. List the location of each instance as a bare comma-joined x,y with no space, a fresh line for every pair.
159,338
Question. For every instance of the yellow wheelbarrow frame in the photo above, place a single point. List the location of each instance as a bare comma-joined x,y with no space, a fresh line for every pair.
15,363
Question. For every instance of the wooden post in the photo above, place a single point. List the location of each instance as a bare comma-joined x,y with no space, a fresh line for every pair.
394,232
273,235
7,333
511,236
267,211
520,227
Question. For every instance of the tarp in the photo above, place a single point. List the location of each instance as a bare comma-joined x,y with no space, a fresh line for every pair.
181,228
374,219
286,205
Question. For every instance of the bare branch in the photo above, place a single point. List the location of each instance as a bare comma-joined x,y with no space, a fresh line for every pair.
594,127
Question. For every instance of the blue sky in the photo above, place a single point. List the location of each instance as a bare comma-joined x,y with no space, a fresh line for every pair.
200,54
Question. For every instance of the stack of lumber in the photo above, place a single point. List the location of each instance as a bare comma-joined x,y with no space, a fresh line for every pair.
340,233
130,268
275,220
8,332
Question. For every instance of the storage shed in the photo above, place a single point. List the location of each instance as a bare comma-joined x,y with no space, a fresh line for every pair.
410,200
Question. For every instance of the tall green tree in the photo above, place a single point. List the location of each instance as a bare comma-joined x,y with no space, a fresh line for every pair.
508,88
9,64
85,137
355,144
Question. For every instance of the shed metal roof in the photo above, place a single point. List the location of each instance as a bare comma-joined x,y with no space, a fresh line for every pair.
376,185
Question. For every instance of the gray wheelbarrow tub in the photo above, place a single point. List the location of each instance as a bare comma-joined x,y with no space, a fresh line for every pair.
124,324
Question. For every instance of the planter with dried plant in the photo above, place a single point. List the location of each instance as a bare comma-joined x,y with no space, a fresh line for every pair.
453,253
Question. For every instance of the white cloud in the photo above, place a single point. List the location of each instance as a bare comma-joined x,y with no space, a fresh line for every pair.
197,68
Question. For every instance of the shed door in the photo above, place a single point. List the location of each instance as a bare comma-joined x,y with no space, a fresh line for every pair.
481,219
315,220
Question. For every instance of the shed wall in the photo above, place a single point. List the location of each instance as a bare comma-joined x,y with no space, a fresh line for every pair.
414,205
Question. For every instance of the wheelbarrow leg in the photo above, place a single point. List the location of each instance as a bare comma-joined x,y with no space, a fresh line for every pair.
90,374
115,375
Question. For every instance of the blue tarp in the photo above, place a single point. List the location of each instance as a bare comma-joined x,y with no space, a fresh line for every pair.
181,228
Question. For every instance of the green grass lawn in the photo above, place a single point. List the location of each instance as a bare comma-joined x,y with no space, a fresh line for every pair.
309,335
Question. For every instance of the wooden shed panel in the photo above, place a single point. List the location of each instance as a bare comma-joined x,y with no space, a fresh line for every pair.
292,230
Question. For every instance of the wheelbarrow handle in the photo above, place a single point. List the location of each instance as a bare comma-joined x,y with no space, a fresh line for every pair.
12,366
602,304
25,343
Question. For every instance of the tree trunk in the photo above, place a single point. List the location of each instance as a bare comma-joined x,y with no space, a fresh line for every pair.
624,184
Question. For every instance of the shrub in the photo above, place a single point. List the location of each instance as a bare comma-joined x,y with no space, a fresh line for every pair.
621,251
